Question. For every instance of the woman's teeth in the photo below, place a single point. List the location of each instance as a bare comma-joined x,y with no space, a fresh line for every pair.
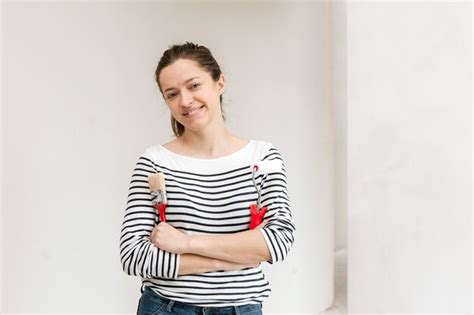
192,113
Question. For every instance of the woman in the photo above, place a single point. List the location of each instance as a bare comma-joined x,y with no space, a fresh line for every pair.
204,258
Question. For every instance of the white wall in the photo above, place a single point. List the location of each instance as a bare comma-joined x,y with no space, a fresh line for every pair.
409,157
1,161
80,106
338,75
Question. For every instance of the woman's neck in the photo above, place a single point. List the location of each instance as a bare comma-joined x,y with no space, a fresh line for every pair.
208,144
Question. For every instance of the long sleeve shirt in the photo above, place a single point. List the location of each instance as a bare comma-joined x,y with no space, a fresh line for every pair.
205,196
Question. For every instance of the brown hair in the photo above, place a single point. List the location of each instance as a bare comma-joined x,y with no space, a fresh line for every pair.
198,53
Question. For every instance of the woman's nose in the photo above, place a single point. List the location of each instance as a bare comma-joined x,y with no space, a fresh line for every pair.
186,99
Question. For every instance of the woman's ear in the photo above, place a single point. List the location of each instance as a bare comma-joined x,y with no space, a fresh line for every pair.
221,84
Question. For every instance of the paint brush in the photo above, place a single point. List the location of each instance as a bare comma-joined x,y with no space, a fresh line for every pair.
158,192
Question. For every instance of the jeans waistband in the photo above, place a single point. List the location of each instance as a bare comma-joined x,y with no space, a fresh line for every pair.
194,309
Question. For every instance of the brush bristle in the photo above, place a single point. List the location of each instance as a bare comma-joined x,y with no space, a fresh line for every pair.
156,182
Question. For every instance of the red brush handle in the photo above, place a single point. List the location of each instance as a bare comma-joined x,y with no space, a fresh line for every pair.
160,207
256,217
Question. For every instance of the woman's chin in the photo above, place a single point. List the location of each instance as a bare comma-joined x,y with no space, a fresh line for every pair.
194,128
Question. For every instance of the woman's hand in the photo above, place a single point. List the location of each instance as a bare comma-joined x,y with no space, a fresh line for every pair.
169,239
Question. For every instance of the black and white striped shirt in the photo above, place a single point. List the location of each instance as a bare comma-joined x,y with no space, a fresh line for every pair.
205,196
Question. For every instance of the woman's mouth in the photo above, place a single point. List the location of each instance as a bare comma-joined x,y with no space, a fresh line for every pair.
193,112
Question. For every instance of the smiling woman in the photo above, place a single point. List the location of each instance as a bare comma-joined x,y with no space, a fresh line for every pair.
191,94
226,202
196,64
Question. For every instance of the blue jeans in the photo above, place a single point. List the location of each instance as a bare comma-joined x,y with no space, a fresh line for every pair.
151,303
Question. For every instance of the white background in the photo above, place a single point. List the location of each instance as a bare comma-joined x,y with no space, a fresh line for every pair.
382,90
409,157
80,105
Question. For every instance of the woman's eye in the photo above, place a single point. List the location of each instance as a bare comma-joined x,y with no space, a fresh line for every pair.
195,85
171,95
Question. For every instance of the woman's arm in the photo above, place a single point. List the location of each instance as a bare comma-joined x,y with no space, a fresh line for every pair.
192,264
248,247
269,242
137,254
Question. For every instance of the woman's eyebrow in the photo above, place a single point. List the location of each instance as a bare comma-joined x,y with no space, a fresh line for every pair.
190,79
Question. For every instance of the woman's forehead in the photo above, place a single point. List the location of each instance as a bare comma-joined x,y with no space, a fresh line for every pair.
180,72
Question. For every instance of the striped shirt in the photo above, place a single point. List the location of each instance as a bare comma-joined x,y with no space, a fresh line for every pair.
205,196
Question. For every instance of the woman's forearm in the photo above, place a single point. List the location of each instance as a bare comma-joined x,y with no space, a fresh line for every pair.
193,264
242,247
247,247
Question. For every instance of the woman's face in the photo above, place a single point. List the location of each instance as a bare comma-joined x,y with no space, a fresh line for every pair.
191,94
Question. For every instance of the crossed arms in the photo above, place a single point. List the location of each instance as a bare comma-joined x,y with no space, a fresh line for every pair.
150,250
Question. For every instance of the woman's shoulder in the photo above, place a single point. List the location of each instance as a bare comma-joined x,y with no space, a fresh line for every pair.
262,143
173,146
157,148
